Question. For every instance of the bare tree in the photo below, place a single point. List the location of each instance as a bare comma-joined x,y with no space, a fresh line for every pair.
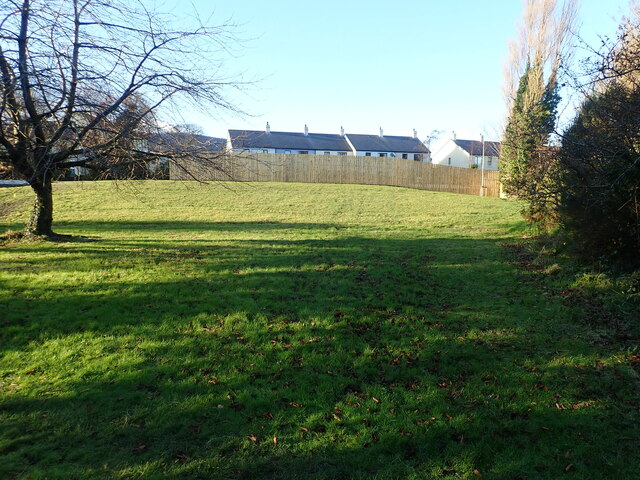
84,83
541,45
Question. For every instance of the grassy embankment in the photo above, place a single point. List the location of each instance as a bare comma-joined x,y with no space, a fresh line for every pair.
302,331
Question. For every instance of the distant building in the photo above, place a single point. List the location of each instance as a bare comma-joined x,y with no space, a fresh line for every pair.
468,154
268,141
254,141
389,146
181,143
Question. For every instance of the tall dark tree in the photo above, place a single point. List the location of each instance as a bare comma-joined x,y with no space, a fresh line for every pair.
81,79
527,162
526,159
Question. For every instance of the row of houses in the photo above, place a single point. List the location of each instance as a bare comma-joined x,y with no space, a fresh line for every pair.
454,152
306,143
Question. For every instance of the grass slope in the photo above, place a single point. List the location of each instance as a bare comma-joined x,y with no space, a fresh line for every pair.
298,331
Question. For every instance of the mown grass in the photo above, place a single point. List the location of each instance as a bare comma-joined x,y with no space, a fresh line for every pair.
301,331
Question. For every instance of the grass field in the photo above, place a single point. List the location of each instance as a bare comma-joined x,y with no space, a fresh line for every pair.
302,331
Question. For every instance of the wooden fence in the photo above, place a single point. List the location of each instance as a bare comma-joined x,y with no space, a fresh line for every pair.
395,172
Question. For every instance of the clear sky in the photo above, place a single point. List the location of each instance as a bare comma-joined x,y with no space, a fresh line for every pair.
399,65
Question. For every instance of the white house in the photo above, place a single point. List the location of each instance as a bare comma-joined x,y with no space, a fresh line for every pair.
389,146
468,154
268,141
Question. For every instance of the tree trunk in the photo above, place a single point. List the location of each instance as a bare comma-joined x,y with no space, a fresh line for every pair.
42,215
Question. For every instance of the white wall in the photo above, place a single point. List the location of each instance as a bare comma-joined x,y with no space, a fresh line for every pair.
254,150
490,163
459,157
313,152
410,156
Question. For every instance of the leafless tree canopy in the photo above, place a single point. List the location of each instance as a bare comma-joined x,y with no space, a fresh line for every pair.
84,82
541,44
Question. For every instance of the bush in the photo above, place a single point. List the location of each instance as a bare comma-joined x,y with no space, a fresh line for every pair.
600,174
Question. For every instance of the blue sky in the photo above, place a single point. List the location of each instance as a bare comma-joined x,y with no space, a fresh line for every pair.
399,65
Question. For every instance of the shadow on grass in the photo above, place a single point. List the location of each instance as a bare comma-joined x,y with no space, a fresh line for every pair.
347,357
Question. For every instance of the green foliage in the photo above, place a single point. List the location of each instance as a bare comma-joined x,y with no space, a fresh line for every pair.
526,161
301,332
600,160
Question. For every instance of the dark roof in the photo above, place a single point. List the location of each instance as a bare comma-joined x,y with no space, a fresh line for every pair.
288,140
183,141
474,147
387,143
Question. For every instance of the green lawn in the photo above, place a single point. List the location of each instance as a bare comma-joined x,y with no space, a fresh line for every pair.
300,331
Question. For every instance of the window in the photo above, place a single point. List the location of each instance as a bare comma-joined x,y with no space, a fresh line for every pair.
489,160
383,154
367,154
405,156
303,152
449,162
265,151
287,151
327,153
342,153
417,157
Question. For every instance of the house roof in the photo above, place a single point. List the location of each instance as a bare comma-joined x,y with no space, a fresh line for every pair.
474,147
183,141
288,140
387,143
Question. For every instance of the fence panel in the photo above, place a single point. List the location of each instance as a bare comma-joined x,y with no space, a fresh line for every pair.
397,172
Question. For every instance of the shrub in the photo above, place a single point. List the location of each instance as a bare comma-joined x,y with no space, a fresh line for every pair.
600,174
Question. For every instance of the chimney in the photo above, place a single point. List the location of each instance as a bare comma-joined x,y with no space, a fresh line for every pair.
268,128
342,131
381,133
306,130
453,136
415,133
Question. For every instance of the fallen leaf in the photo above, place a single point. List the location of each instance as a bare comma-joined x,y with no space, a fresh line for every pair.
31,372
476,472
253,438
304,429
275,440
375,399
140,448
568,467
181,457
